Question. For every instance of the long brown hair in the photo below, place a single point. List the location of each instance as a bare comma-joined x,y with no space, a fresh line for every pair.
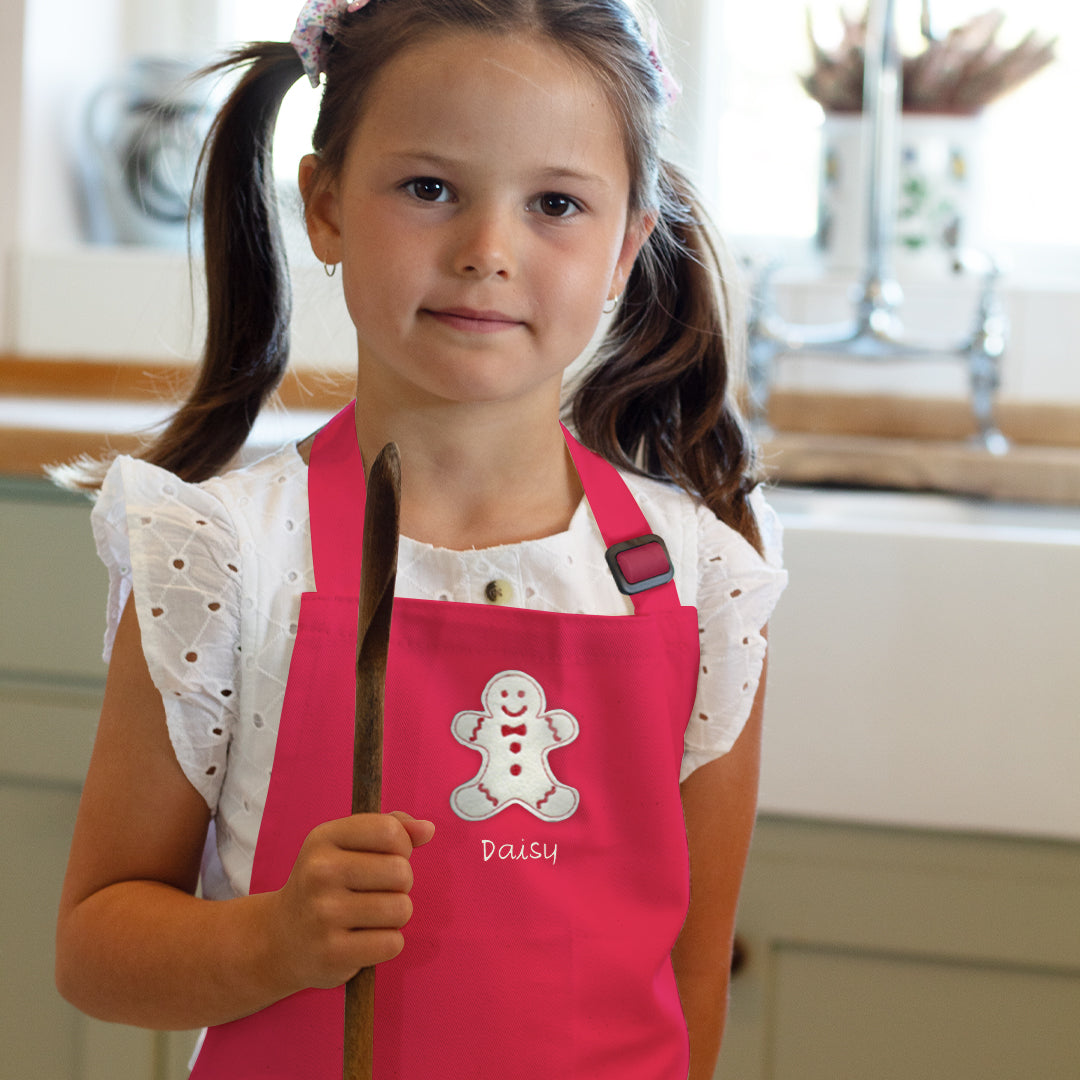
659,398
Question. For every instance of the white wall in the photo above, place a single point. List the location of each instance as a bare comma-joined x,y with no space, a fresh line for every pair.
685,32
11,72
68,49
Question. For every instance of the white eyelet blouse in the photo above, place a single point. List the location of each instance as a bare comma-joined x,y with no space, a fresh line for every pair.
217,570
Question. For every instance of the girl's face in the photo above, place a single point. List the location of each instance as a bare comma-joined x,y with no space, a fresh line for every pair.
481,220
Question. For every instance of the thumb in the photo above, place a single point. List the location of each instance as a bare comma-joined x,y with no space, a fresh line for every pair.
419,829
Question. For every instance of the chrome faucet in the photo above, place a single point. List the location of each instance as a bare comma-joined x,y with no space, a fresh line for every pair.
875,331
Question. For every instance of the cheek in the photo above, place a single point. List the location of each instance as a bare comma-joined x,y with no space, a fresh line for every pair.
382,272
585,272
580,291
577,274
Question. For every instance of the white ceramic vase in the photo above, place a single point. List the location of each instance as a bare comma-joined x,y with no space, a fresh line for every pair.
938,202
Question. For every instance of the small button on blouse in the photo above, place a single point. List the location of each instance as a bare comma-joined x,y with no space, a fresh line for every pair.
498,591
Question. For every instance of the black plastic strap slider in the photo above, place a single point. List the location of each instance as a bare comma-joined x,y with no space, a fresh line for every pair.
640,564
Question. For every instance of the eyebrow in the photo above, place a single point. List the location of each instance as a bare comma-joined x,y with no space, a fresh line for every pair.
556,173
551,174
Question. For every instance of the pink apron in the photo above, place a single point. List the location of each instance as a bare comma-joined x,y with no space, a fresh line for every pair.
546,748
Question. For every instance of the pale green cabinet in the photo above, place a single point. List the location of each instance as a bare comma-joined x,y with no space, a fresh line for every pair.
52,597
880,954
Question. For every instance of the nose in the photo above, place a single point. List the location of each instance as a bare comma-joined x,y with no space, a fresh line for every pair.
484,245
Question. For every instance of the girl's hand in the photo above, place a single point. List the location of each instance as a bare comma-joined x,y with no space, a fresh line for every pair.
135,945
346,899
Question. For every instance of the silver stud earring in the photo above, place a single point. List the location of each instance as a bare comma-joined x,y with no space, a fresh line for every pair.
329,269
613,301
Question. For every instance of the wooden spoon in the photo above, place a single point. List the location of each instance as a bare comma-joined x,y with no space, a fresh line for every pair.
378,571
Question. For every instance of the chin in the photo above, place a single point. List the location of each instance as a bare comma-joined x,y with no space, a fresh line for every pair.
493,387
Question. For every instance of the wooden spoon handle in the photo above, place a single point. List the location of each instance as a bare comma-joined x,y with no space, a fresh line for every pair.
378,571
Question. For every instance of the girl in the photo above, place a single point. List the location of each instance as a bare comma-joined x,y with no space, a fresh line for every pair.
485,174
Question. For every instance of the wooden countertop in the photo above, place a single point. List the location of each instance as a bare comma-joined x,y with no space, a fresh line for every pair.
1037,474
53,411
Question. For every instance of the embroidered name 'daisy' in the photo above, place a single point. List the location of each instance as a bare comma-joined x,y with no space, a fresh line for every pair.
514,734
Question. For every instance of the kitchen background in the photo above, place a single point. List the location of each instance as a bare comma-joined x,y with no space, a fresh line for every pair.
910,908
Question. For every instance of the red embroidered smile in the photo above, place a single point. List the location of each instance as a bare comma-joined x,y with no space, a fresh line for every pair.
510,712
473,321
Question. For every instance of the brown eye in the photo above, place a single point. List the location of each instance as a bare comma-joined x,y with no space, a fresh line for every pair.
427,188
552,204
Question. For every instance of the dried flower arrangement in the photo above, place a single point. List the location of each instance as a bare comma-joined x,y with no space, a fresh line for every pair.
958,74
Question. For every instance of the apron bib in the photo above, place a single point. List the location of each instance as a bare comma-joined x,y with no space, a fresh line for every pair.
546,748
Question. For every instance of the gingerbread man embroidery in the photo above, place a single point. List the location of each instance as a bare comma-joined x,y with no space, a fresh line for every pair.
514,736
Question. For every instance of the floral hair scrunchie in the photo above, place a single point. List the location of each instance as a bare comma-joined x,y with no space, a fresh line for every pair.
671,87
318,18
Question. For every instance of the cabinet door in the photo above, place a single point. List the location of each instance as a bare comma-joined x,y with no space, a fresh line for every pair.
879,954
898,1017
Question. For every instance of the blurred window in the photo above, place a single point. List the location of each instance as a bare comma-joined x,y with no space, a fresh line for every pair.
765,183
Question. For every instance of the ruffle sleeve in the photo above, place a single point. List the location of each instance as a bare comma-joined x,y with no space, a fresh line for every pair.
173,546
737,592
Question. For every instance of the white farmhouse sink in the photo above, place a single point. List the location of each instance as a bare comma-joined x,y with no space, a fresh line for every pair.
925,664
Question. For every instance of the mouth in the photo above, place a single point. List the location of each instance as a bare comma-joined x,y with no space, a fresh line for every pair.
473,321
511,712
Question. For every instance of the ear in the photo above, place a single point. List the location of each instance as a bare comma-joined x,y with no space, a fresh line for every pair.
638,230
320,211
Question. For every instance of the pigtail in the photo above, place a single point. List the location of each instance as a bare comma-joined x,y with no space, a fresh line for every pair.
248,293
247,280
659,399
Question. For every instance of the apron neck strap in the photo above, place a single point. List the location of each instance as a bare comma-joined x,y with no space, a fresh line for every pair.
623,526
336,492
337,488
